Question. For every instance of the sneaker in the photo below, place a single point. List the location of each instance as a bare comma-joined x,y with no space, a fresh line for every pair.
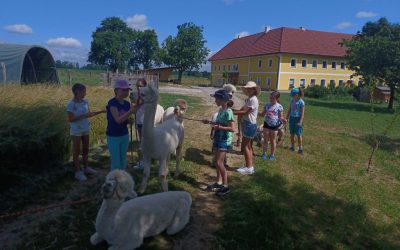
89,170
272,158
80,176
264,156
213,187
291,148
300,151
139,166
241,169
223,191
247,171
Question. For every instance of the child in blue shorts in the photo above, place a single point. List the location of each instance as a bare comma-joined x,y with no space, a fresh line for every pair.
222,140
296,117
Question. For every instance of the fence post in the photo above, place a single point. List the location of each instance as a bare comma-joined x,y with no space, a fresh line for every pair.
3,68
69,77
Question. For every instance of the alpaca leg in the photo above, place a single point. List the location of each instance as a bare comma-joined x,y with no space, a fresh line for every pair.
181,218
146,174
95,239
178,160
163,172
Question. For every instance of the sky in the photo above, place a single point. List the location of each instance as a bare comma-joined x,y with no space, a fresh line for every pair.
66,27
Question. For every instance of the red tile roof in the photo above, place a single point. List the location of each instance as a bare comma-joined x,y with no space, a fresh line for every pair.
285,40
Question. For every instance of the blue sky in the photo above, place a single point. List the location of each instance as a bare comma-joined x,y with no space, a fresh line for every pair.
65,27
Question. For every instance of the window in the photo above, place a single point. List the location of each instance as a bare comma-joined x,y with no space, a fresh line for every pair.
235,67
270,63
293,63
223,67
268,82
314,63
312,83
332,83
291,82
229,67
333,65
219,67
302,82
304,63
323,83
258,80
341,83
342,65
324,64
259,63
215,67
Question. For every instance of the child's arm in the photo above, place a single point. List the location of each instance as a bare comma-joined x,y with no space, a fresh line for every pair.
74,118
124,117
301,117
229,128
91,114
243,111
288,113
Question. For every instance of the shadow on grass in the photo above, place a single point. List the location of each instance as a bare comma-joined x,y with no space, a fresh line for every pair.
354,106
267,213
197,156
385,143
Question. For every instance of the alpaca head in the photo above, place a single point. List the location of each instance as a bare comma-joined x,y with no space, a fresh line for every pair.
149,94
118,185
231,89
180,106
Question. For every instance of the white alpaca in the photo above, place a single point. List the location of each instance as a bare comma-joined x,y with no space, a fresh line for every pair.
159,142
124,224
176,111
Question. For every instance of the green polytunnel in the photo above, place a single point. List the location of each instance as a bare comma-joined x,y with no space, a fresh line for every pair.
26,64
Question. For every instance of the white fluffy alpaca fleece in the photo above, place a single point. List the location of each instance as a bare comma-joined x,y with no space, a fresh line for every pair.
124,224
231,89
179,108
159,142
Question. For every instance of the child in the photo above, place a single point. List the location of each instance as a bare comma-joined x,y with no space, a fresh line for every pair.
223,128
78,114
249,114
118,113
273,120
296,113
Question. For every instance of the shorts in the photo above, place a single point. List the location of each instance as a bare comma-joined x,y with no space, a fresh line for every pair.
274,128
79,134
249,129
221,145
294,129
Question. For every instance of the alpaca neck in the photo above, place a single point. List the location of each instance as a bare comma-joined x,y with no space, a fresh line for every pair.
148,124
105,222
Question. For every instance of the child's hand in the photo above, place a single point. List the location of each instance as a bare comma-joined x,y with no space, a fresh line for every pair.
299,124
133,108
284,120
215,126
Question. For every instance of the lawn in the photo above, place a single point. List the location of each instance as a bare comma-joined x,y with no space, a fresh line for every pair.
324,199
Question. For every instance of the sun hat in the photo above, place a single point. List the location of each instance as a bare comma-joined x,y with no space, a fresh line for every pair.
221,94
122,84
294,91
251,84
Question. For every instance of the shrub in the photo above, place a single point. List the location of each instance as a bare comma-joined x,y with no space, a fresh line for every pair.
315,92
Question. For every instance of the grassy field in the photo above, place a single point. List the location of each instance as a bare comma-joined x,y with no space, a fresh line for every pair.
94,78
324,199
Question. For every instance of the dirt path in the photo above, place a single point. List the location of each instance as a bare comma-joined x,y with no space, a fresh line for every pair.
206,212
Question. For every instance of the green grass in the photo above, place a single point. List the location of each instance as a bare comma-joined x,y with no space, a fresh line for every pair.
324,198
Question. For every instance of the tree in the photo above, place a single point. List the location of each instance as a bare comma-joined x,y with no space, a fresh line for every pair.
143,46
110,44
186,51
374,54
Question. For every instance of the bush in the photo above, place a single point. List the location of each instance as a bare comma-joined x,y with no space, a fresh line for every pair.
332,91
315,92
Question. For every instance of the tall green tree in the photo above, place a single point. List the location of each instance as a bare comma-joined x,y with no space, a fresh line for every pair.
110,44
143,46
187,50
374,54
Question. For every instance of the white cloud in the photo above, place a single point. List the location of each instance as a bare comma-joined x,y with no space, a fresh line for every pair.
64,42
137,22
19,28
79,55
343,25
242,34
363,14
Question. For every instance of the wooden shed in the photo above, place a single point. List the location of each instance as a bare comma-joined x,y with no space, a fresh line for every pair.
381,94
162,73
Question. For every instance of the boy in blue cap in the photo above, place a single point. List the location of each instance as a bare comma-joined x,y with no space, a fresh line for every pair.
296,113
222,141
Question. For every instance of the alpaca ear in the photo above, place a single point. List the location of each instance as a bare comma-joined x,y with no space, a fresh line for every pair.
133,194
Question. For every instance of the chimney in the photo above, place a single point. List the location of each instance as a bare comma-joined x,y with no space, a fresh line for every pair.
268,28
238,36
302,28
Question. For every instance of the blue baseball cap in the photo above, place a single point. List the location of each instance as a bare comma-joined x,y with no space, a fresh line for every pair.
294,91
221,94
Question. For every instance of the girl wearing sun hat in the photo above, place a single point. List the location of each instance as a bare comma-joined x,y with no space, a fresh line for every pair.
249,114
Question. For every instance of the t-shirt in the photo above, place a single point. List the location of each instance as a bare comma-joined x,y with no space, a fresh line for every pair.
139,109
295,107
252,103
224,117
113,128
78,108
272,113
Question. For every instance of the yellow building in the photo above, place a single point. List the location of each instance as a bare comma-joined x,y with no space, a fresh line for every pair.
283,58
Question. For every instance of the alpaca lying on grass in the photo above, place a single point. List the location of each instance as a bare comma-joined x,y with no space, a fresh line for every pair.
124,224
159,142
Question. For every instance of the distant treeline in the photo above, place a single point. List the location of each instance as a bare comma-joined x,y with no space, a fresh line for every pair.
74,65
